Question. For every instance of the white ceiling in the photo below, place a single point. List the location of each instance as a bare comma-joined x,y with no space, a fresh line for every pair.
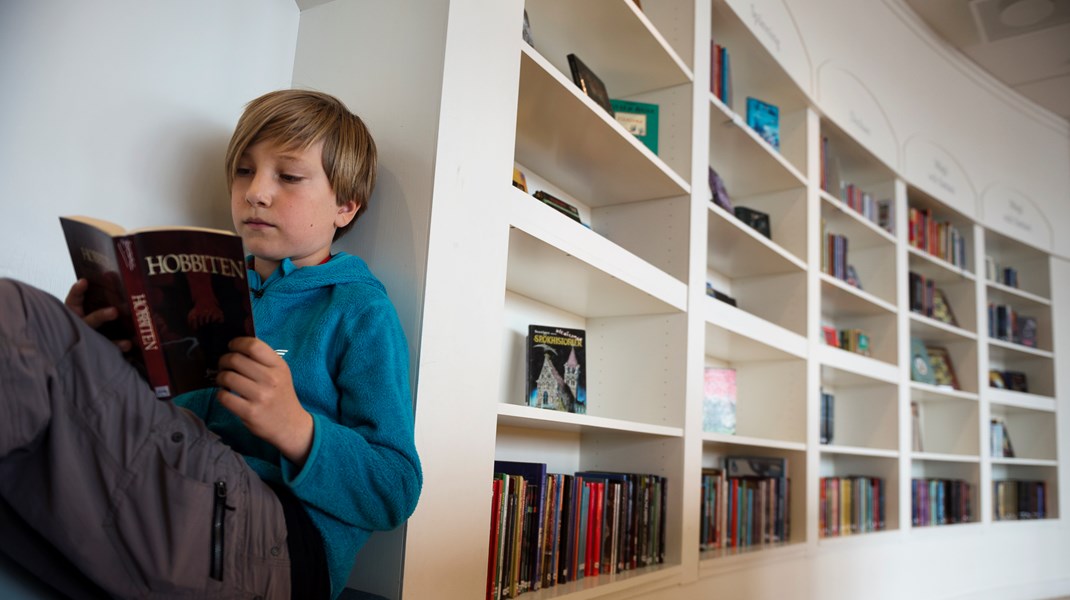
1023,43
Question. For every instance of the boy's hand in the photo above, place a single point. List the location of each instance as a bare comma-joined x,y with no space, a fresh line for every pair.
76,302
256,385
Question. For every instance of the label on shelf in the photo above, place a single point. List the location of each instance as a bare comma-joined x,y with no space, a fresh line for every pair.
938,173
1015,214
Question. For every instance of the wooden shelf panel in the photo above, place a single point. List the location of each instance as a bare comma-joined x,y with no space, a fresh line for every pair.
943,457
862,232
607,585
1005,294
1024,462
1004,350
843,299
737,250
752,442
855,369
933,393
1020,400
929,328
555,260
515,415
567,138
613,37
734,335
748,164
936,268
859,451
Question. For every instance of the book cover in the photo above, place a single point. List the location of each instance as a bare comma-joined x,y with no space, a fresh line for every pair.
941,308
719,400
181,292
915,427
559,205
589,83
1027,331
942,368
764,119
556,371
719,193
640,119
756,219
921,369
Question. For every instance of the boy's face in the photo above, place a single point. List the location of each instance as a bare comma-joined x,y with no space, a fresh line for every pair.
283,206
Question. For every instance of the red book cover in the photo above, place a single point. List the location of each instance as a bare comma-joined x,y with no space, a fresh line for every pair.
182,295
492,553
596,539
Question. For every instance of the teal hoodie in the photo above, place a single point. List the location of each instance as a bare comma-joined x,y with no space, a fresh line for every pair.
337,329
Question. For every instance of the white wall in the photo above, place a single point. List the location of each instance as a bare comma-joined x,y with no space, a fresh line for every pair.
122,109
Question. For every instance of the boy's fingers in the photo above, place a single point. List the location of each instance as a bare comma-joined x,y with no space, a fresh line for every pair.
98,317
255,349
76,295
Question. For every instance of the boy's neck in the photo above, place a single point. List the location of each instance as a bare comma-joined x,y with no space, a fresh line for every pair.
265,268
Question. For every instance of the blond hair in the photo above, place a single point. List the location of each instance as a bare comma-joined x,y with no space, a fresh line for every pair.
297,119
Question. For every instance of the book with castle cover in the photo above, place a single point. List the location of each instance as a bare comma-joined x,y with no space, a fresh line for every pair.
556,373
182,295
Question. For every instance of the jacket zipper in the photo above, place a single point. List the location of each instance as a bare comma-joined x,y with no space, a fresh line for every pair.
219,509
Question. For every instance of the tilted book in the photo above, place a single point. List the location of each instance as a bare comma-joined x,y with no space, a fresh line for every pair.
556,373
182,295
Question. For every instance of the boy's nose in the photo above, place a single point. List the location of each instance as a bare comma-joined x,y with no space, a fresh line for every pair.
259,192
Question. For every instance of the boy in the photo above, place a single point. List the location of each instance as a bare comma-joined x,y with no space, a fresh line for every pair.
268,485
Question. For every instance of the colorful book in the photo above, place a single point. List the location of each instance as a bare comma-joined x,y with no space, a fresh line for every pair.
719,400
764,119
556,369
640,119
182,295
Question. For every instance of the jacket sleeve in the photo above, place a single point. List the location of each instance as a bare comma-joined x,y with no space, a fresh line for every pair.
364,469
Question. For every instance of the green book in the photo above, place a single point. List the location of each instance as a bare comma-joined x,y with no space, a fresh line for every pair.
640,119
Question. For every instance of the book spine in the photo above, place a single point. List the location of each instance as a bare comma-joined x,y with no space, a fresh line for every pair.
141,310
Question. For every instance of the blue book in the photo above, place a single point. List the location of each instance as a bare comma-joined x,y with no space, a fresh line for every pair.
764,119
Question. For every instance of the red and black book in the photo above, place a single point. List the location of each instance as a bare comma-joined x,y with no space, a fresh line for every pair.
182,295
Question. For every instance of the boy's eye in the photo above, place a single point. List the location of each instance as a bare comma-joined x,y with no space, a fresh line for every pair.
243,172
290,178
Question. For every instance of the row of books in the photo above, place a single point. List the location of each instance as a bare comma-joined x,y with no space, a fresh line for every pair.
851,340
941,239
1004,323
1019,499
995,272
850,505
550,528
720,73
834,256
880,212
1015,381
745,503
929,300
940,502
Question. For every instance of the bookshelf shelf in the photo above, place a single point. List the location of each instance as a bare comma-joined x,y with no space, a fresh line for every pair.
616,39
863,232
930,329
858,451
934,393
1009,350
744,442
607,585
844,299
748,165
568,139
937,268
716,560
737,250
1004,293
734,334
1022,400
946,458
584,289
1024,462
864,367
514,415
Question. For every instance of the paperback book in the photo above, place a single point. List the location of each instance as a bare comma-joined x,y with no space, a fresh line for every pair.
182,295
556,371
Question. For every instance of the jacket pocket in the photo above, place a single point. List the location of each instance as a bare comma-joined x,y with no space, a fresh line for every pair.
219,513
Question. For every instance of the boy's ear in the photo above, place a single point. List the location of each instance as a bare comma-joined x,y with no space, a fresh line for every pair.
346,212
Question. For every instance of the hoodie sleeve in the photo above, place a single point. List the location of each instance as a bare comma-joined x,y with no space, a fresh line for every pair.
364,469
